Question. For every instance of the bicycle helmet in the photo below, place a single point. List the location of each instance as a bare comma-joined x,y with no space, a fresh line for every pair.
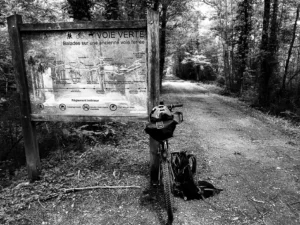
160,113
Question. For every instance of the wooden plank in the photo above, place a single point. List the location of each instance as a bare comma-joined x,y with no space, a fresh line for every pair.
69,26
81,118
153,83
153,57
28,127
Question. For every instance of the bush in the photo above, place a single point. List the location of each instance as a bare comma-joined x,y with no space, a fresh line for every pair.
52,136
10,129
221,81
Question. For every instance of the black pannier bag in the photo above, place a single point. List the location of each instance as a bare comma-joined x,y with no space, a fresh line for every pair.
161,130
184,167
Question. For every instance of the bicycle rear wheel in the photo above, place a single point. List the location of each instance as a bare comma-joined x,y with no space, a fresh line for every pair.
166,179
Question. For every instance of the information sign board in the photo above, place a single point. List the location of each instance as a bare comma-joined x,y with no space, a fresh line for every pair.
88,73
84,72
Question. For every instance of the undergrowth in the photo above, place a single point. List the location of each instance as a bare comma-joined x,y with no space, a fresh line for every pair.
52,137
85,155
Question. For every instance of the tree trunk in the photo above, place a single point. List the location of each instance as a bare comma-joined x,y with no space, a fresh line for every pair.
273,42
6,86
156,5
263,97
273,49
243,45
232,67
80,9
290,51
112,11
162,43
228,80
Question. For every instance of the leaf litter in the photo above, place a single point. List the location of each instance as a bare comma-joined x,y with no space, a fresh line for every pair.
110,164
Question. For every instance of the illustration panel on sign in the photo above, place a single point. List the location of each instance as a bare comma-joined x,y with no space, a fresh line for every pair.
92,73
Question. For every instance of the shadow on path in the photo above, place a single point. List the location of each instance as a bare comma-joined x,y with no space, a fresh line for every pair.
153,199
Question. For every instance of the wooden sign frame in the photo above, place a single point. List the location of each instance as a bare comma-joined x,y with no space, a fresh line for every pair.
16,29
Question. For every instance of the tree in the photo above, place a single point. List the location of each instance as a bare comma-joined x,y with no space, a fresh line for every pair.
112,11
6,69
286,68
80,9
244,29
269,49
169,9
223,29
32,11
264,72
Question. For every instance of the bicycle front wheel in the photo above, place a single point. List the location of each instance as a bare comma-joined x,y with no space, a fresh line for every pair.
166,179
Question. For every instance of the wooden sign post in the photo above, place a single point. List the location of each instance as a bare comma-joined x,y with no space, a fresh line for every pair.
85,72
154,81
29,135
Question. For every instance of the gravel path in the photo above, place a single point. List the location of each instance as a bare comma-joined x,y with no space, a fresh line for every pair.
256,164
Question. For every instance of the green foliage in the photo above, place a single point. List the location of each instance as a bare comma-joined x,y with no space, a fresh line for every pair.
238,26
91,133
6,69
194,54
112,10
32,11
61,136
80,9
10,128
125,9
196,59
11,131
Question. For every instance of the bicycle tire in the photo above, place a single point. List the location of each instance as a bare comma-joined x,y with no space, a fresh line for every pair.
166,179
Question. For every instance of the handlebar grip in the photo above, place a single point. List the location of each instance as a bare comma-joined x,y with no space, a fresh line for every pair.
176,105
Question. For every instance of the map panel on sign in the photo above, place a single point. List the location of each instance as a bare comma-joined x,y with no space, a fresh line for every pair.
93,73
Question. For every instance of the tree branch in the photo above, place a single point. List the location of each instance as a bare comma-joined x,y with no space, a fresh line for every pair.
293,76
98,187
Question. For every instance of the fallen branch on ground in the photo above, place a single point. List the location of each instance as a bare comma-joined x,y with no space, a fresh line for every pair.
41,204
294,203
253,199
98,187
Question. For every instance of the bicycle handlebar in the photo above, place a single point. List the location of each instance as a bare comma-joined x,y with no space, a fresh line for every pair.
176,105
172,106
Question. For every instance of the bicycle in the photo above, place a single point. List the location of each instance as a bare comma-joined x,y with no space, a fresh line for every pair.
162,130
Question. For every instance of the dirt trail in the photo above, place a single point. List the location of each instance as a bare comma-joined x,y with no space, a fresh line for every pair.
257,165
